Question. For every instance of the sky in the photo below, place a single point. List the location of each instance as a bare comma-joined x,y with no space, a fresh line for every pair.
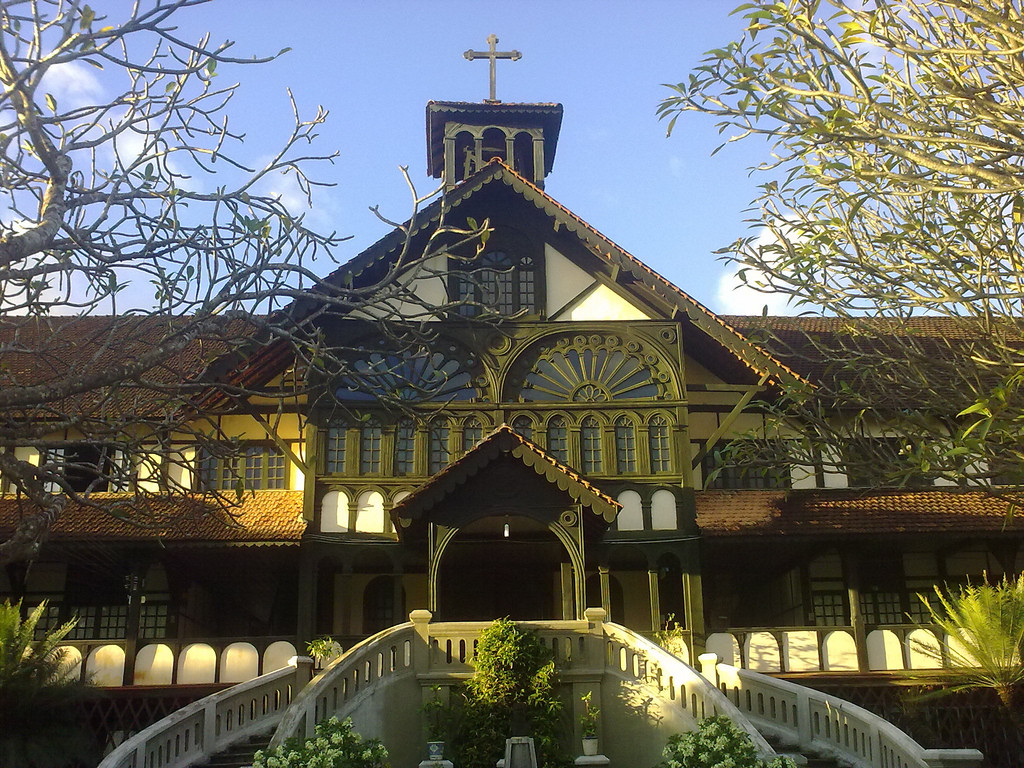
375,65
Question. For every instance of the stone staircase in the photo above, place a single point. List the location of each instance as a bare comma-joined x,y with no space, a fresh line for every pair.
646,694
238,755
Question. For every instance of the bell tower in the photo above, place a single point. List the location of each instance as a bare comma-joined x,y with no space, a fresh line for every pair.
464,136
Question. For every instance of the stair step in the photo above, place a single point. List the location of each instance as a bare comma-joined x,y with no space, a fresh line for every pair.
238,755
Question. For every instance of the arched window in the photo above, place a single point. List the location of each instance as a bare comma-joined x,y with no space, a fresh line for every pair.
370,517
414,375
659,444
558,439
625,445
631,516
663,511
405,447
439,452
472,433
369,447
524,426
590,444
591,369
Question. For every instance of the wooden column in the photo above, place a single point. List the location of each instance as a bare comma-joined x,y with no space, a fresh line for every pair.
693,607
135,587
851,574
568,592
606,590
652,580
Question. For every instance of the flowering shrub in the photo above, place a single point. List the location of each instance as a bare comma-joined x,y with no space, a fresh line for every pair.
718,743
335,745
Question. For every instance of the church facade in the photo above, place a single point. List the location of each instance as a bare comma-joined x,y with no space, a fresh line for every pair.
545,442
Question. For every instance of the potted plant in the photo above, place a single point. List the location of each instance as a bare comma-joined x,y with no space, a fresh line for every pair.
434,711
588,724
322,649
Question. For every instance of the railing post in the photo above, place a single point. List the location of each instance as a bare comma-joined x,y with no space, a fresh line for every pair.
421,642
210,728
596,656
709,667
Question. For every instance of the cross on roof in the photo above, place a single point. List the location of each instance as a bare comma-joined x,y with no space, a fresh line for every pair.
493,55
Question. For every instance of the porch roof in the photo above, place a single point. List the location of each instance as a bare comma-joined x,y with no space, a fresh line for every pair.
503,441
261,517
837,512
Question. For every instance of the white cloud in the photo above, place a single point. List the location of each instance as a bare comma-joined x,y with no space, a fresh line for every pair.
73,85
736,297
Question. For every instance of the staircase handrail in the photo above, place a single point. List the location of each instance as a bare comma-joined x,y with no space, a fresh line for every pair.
821,723
202,728
668,673
360,667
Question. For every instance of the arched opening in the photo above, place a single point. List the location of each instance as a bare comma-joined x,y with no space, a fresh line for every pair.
465,155
485,574
523,155
493,145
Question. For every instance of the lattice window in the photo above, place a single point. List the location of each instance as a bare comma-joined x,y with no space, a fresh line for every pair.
405,447
370,437
256,467
100,622
829,609
49,620
497,281
723,470
590,444
439,452
625,445
335,448
882,607
524,426
153,621
558,439
472,433
659,444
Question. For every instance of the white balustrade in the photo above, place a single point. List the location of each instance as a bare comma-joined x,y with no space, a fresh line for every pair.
825,724
199,730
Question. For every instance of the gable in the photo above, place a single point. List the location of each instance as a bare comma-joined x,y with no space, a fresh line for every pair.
589,277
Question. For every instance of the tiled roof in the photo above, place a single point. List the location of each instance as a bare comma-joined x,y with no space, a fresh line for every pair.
261,517
55,349
812,345
838,512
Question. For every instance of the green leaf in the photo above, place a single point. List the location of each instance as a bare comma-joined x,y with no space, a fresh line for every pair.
88,14
51,103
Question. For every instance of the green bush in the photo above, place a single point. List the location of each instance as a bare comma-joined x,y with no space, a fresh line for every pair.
515,675
718,743
40,723
335,745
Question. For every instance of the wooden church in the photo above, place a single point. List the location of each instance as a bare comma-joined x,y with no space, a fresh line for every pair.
541,447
